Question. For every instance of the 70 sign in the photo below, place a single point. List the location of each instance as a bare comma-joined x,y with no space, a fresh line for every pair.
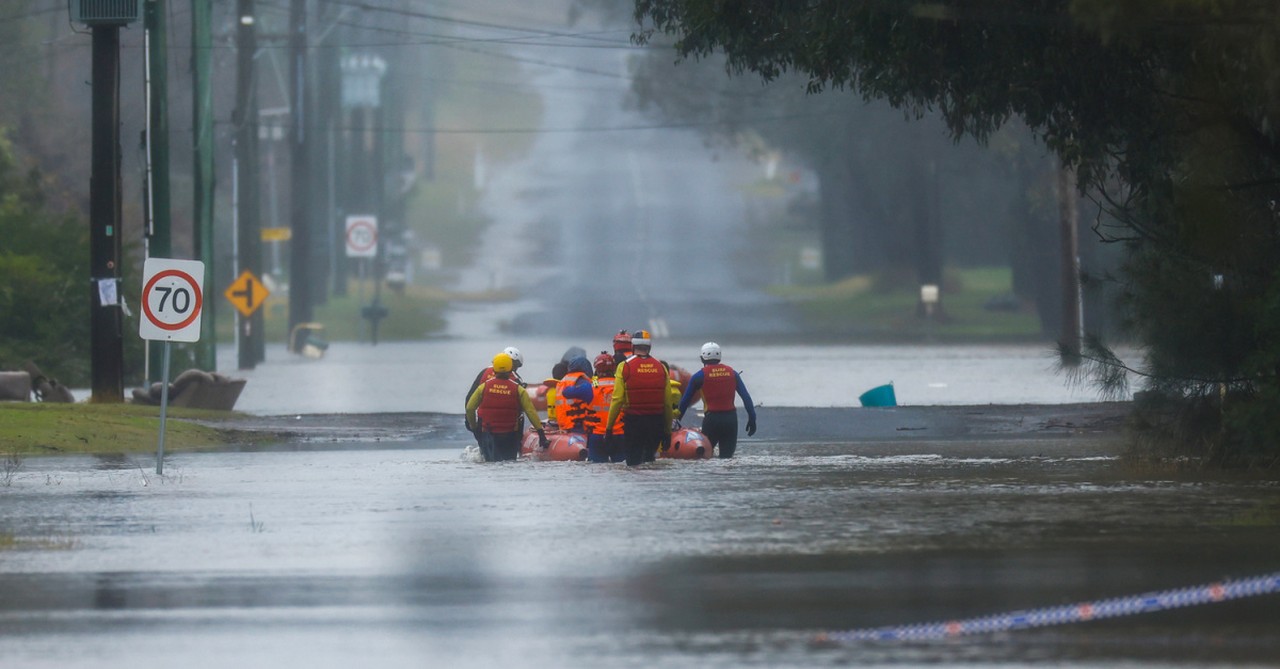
172,299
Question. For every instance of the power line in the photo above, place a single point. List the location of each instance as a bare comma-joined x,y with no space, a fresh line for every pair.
447,19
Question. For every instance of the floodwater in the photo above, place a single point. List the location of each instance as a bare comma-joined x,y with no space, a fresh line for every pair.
412,554
435,375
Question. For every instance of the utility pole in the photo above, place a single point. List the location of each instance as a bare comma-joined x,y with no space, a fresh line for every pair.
326,96
158,237
105,320
106,345
300,245
202,124
245,119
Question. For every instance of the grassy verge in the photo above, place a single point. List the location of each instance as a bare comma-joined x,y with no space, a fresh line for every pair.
862,308
49,429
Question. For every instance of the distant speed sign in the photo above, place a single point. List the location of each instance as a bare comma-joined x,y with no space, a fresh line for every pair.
172,299
362,236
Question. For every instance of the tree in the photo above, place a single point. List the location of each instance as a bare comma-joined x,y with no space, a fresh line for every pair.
883,180
44,309
1166,109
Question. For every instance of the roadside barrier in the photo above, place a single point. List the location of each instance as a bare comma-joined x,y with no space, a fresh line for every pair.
1069,613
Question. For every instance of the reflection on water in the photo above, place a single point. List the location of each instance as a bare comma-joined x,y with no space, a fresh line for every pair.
408,557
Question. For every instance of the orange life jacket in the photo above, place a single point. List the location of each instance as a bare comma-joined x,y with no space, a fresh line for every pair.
600,402
500,409
646,380
719,386
569,412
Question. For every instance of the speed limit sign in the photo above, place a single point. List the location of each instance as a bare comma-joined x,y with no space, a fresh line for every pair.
362,236
172,299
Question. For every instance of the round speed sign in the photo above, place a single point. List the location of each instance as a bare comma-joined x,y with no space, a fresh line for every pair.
172,299
362,236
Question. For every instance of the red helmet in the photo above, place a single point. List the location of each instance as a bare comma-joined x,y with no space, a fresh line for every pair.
622,342
604,363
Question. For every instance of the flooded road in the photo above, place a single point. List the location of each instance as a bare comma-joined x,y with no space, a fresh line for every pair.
410,554
435,375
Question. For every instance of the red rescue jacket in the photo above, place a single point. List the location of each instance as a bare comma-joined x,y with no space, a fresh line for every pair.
500,409
646,380
719,387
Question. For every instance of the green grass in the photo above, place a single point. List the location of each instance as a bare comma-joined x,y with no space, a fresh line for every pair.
861,308
42,429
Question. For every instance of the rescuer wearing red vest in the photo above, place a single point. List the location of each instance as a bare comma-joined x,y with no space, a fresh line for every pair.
597,451
719,383
493,413
572,410
485,374
640,395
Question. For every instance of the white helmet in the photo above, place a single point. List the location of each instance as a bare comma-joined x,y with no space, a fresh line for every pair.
517,360
710,352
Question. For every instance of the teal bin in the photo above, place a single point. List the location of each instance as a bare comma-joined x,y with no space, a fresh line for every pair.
880,396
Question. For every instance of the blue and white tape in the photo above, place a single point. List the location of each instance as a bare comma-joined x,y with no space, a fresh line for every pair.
1069,613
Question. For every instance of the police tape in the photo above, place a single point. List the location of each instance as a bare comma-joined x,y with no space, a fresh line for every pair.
1069,613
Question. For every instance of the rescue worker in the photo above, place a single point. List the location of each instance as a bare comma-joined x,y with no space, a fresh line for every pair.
640,397
600,400
621,347
494,411
558,371
572,408
718,383
487,373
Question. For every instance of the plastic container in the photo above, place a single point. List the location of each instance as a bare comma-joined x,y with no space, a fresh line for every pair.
880,396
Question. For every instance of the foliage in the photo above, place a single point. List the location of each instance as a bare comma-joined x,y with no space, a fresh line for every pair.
18,41
44,305
874,167
869,308
895,191
1166,108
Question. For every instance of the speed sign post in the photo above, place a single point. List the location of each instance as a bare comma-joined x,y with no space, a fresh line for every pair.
172,301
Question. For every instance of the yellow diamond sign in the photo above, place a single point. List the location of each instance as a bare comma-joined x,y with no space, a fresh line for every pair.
246,293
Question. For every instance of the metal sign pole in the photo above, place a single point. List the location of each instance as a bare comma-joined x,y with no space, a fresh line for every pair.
172,306
164,407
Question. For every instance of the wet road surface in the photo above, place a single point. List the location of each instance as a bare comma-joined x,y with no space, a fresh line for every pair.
408,553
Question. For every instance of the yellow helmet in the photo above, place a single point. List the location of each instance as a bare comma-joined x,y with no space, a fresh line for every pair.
502,363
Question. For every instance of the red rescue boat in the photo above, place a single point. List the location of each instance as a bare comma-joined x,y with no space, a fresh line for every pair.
687,444
563,446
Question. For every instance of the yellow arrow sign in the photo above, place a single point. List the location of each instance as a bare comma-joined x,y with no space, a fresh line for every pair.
246,293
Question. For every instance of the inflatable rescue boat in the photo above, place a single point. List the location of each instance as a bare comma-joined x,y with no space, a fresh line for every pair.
687,444
563,446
